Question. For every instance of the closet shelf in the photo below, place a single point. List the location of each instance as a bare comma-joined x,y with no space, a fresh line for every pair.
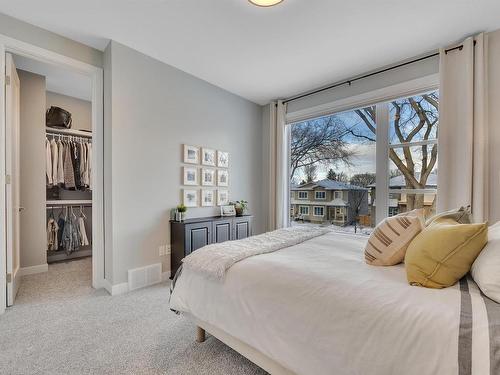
74,202
76,133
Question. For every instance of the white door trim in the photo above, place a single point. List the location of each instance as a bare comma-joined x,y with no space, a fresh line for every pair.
95,73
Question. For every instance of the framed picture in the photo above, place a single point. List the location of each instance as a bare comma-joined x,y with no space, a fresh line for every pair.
190,198
191,154
207,198
222,159
222,197
222,177
208,157
228,210
190,176
208,177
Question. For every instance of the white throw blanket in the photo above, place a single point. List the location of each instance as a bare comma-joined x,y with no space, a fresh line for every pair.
214,260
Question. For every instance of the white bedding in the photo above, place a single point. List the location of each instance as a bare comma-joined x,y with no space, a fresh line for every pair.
317,308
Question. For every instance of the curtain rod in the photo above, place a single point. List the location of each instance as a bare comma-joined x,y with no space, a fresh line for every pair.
350,81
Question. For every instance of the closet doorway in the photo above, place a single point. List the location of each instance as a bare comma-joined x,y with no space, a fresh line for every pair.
53,175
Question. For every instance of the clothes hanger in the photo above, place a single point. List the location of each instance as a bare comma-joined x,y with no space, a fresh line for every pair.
81,212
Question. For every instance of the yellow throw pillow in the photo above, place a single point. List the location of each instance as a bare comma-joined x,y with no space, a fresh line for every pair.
444,252
388,242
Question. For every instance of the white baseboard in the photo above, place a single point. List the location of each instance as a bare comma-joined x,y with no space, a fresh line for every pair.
41,268
118,289
123,288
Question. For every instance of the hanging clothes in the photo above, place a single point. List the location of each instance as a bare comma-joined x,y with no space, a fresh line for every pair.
75,158
48,162
52,230
71,234
83,233
55,160
60,163
89,164
60,223
69,173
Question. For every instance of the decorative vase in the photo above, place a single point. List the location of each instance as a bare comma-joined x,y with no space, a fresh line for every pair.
240,211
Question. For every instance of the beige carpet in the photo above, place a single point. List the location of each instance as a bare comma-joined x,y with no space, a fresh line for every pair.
60,325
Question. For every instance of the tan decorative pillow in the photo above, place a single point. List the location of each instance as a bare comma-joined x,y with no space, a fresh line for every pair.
461,215
444,252
388,242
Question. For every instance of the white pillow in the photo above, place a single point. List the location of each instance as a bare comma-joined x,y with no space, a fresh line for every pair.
486,268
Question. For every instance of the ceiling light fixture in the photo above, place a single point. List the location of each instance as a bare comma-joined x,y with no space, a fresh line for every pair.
265,3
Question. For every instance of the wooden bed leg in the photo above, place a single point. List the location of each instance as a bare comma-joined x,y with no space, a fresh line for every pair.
200,334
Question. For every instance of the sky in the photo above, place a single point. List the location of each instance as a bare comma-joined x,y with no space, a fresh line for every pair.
364,160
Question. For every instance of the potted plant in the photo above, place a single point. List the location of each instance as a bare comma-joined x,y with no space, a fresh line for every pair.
180,214
241,207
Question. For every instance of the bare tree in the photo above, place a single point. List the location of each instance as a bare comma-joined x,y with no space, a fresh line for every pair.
319,141
310,172
414,119
356,202
363,179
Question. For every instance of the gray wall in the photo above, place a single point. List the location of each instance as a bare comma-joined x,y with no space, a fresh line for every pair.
32,169
28,33
156,108
81,110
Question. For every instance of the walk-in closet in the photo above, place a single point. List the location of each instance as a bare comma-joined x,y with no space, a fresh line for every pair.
55,172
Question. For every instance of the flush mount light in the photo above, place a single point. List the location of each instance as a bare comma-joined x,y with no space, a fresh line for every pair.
265,3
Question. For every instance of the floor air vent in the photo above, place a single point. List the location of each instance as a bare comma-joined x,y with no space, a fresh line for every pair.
144,276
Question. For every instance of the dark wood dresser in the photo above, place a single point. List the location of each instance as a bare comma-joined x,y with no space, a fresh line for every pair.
191,234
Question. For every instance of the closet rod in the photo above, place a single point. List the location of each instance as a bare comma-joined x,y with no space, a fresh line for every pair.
68,132
69,205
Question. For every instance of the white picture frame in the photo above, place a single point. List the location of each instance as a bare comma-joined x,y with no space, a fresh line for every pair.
208,157
228,210
191,154
208,177
222,159
190,197
222,197
190,176
222,177
207,197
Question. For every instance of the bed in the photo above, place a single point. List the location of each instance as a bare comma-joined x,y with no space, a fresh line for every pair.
317,308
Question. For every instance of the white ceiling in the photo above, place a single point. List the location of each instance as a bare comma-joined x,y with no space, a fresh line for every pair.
265,53
57,79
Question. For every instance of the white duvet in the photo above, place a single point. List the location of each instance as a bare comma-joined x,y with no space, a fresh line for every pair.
317,308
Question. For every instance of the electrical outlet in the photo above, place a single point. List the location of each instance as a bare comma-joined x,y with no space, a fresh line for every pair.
168,249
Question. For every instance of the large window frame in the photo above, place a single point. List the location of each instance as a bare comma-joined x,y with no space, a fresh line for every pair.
381,99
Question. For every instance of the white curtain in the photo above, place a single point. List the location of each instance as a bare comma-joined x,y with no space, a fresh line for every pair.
279,169
463,128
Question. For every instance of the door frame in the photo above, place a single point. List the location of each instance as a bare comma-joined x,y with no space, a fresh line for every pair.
95,73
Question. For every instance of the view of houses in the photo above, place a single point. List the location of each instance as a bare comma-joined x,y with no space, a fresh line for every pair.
343,204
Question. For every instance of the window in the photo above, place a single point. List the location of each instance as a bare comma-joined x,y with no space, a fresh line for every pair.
320,194
303,195
304,210
413,153
319,211
338,151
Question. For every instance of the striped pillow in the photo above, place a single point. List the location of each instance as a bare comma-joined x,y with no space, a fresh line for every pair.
389,240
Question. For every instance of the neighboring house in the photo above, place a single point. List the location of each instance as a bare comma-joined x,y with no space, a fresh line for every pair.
328,201
398,199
